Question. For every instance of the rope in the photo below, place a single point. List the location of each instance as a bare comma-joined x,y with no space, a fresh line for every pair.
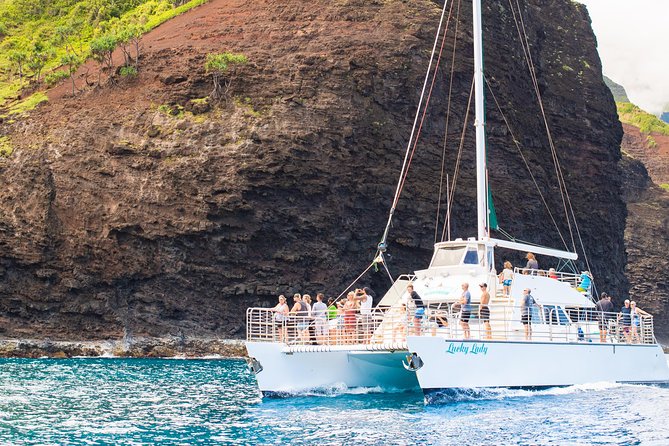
566,200
524,40
459,157
405,166
356,279
448,116
527,165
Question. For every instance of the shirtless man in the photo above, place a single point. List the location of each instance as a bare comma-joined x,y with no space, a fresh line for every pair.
484,311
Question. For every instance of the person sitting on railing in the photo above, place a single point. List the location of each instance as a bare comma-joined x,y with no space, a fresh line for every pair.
527,303
625,320
636,314
484,310
465,310
604,309
301,313
420,309
280,318
506,278
319,314
586,281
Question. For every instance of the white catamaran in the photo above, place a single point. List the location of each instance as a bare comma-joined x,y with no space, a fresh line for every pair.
440,342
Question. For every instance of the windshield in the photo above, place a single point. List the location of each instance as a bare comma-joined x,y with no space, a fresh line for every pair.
448,256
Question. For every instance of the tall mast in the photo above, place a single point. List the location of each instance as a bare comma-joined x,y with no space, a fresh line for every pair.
479,124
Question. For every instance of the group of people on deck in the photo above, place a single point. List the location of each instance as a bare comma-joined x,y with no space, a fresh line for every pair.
347,321
350,320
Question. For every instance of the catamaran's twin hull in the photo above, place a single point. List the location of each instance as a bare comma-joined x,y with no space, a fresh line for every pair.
457,364
285,372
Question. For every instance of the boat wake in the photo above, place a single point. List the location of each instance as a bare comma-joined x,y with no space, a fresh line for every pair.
333,391
448,396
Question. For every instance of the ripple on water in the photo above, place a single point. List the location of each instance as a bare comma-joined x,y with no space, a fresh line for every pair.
126,401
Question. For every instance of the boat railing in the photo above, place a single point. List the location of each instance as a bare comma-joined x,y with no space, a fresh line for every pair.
572,279
381,325
545,323
384,326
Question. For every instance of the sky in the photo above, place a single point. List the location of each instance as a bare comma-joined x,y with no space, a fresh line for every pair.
634,47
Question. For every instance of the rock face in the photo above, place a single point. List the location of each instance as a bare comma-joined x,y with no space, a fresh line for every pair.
652,150
143,210
647,231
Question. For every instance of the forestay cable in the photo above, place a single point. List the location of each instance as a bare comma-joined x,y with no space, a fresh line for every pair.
382,244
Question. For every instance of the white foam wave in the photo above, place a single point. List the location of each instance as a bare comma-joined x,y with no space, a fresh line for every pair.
499,393
337,389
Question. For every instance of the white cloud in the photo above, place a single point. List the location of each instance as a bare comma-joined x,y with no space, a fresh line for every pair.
632,42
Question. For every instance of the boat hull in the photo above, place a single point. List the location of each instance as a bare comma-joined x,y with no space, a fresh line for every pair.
458,364
292,372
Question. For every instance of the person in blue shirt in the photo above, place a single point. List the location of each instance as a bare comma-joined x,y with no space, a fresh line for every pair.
586,281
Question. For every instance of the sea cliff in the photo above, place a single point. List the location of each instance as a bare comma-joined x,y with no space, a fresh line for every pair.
144,209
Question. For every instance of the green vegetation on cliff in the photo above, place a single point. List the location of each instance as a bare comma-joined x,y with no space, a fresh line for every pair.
39,36
647,123
618,91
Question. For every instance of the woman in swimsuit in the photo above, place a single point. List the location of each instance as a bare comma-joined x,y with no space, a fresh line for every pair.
350,308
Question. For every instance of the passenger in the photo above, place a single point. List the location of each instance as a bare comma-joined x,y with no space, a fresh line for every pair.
399,323
532,264
484,310
420,309
440,320
506,278
604,309
350,310
636,314
625,320
552,274
526,312
332,309
312,335
586,280
301,313
319,313
465,309
364,299
280,318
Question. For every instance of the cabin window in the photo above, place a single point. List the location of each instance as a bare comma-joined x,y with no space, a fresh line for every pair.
448,256
472,257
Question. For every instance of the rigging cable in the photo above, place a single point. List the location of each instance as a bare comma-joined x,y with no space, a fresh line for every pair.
448,115
563,186
527,165
405,165
459,157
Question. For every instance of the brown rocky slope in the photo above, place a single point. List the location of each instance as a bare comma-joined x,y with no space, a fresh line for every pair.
123,217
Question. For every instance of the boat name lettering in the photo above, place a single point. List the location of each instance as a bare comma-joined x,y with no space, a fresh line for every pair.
474,349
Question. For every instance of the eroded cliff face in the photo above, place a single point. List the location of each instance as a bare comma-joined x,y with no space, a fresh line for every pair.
647,231
122,216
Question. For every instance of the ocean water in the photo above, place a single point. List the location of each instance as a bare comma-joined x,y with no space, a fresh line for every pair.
185,402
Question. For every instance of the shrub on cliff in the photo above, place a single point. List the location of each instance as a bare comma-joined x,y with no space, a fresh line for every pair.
217,65
647,123
102,50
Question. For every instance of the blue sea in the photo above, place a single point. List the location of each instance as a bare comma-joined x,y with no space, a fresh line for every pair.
185,402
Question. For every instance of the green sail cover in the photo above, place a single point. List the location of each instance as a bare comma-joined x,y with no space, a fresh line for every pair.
492,216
